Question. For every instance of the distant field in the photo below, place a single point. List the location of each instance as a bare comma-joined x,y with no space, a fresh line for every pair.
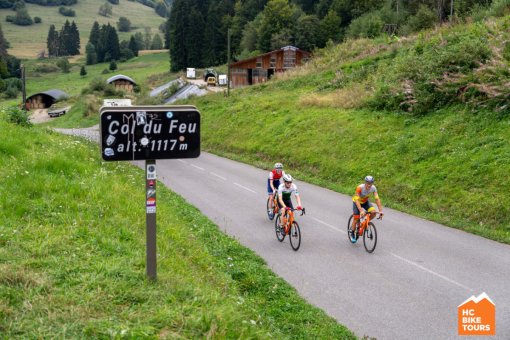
27,41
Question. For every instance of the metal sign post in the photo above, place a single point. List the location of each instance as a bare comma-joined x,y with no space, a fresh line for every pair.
150,218
148,133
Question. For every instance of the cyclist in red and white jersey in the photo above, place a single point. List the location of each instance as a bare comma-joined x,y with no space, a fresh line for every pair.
273,182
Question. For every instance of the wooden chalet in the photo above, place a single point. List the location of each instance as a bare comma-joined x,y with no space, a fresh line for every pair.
122,82
261,68
43,100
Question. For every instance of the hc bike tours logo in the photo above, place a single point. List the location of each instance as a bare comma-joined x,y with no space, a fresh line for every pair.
477,316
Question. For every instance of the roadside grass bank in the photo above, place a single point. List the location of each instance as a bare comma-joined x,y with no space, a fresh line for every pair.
448,166
72,256
427,115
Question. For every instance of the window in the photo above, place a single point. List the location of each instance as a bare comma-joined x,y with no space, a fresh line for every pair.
259,63
272,61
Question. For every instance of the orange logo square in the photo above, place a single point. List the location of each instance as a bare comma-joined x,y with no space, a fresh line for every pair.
477,316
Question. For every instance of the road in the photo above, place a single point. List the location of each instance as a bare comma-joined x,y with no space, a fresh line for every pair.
409,288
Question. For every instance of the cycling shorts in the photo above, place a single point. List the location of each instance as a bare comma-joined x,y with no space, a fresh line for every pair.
367,205
276,184
288,203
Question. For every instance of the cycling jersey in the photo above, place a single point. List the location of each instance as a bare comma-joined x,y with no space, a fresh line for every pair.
362,193
287,192
273,175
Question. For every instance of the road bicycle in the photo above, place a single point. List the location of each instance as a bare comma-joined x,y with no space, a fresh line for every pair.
272,210
290,228
364,227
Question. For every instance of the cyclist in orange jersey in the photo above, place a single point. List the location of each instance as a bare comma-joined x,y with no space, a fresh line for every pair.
361,204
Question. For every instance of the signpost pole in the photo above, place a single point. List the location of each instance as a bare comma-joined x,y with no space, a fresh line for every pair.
150,206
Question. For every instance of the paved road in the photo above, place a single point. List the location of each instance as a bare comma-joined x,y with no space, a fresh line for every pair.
409,288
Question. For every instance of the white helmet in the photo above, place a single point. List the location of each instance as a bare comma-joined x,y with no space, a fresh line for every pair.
278,166
287,178
369,179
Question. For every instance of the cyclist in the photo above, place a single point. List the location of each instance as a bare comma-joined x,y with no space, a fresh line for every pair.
361,205
285,191
273,182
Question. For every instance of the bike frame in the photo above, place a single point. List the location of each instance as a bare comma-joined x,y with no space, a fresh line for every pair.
364,220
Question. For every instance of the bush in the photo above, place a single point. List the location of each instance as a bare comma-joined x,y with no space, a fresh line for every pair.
37,20
424,18
22,18
45,68
105,71
113,65
64,65
67,12
366,26
500,8
14,82
124,25
83,71
9,18
11,92
18,116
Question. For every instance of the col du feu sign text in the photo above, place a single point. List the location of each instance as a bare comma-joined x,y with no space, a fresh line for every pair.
150,132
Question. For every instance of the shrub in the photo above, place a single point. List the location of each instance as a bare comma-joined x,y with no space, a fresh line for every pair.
366,26
37,20
64,65
22,18
45,68
105,71
67,12
18,116
11,92
424,18
500,8
83,71
113,65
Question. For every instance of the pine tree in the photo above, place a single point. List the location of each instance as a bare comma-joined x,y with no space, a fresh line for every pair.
113,65
178,32
157,43
113,43
4,44
133,46
83,71
52,42
64,40
91,55
94,34
74,39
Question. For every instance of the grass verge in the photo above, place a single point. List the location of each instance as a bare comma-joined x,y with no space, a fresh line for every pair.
72,257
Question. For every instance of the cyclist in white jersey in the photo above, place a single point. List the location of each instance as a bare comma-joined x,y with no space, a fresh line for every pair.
285,191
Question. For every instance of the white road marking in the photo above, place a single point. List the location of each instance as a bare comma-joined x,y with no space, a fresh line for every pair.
199,168
221,177
245,188
430,271
329,225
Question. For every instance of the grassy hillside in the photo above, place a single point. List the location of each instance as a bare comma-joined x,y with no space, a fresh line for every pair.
424,115
72,256
28,41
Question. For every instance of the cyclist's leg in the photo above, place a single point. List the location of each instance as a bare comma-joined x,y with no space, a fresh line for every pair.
269,193
287,203
371,210
355,216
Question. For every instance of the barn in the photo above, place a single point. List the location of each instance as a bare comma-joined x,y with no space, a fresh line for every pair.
261,68
43,100
122,82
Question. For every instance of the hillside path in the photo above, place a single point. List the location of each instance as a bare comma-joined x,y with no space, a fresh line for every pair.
409,288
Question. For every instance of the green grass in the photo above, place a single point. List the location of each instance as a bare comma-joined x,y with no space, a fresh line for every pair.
449,165
28,41
72,256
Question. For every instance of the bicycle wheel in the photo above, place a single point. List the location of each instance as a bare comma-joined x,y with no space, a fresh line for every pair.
370,237
295,236
280,233
270,211
349,230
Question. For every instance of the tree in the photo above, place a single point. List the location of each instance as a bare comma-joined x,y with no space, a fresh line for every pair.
139,41
52,42
22,17
124,25
4,44
105,10
330,28
94,34
64,65
91,55
133,46
83,71
64,46
147,38
276,16
157,43
74,39
308,32
113,65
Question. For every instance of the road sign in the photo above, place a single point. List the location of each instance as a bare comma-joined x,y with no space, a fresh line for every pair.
150,132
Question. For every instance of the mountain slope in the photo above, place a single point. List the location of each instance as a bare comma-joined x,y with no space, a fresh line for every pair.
28,41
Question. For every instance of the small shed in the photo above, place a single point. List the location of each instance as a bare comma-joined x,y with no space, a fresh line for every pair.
261,68
43,100
122,82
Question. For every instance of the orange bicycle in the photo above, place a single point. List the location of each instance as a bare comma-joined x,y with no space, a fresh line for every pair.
364,227
290,228
272,210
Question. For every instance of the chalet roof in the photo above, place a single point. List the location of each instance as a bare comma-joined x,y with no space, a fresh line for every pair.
285,48
55,94
120,77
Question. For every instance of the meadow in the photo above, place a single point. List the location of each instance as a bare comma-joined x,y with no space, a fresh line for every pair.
28,41
72,256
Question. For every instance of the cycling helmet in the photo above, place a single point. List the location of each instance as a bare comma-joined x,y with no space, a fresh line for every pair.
278,166
287,178
369,179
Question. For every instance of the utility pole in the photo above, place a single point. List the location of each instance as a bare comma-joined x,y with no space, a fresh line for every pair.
228,62
451,10
23,88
